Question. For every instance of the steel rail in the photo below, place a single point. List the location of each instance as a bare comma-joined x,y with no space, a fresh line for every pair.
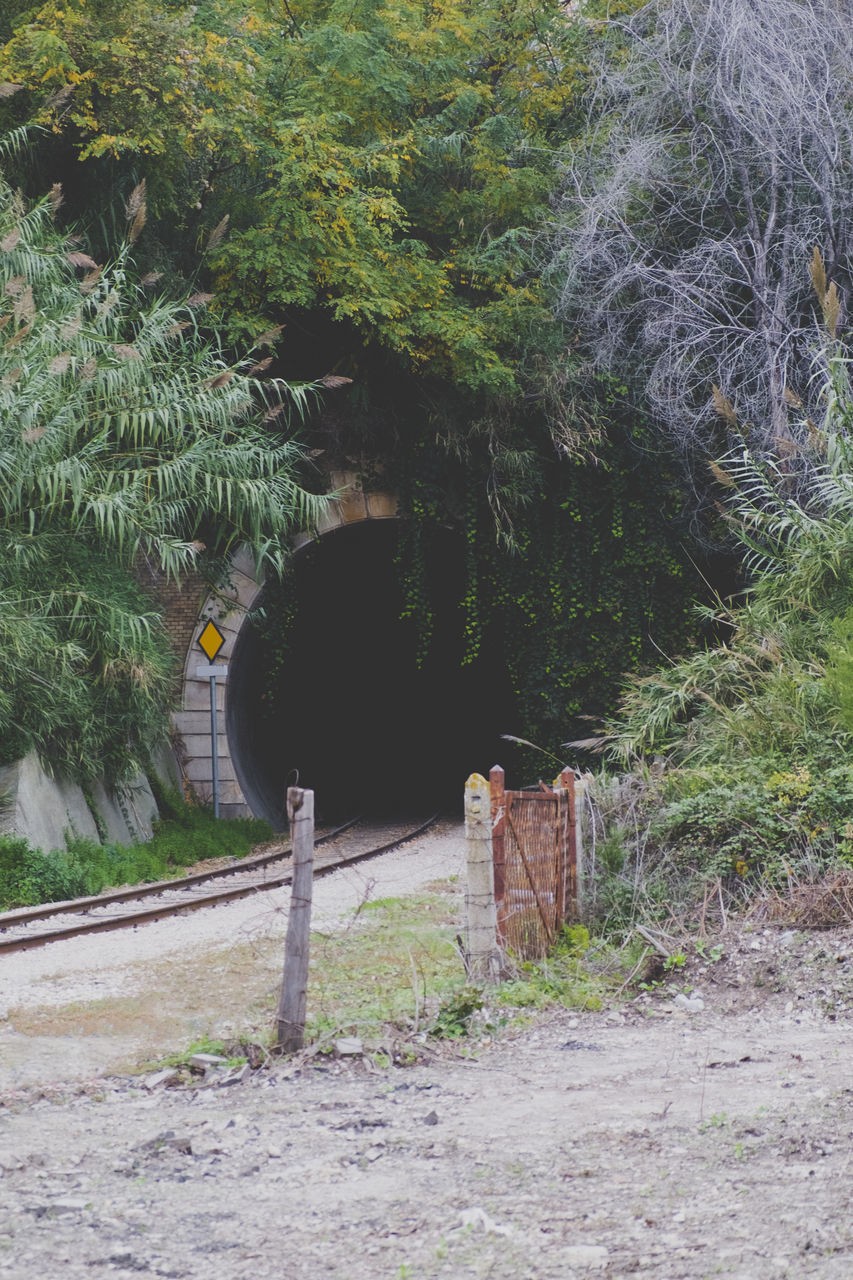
134,918
44,910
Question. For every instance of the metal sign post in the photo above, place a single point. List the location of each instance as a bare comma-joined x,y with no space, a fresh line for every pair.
210,642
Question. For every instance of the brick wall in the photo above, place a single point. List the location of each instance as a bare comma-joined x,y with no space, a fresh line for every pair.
181,604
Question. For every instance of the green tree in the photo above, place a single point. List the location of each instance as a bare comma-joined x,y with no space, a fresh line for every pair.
158,87
385,166
125,434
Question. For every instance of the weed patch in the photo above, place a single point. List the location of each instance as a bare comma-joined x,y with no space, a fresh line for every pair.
28,876
392,967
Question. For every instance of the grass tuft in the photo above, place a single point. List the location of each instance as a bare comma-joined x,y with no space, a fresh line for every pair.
28,876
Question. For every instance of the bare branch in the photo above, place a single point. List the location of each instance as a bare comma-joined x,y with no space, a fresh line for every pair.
718,156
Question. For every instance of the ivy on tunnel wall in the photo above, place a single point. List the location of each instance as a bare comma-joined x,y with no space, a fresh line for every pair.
594,585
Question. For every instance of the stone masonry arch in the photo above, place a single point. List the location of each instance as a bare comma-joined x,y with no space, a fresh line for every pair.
229,608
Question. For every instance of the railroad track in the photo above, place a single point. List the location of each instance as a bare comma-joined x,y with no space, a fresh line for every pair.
352,842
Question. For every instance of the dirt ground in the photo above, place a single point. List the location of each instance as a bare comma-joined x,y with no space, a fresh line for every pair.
700,1128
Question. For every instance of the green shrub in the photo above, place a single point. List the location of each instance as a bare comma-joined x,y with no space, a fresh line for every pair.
765,821
28,876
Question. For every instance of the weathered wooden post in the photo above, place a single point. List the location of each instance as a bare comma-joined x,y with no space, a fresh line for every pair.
498,806
567,895
484,957
582,790
292,1006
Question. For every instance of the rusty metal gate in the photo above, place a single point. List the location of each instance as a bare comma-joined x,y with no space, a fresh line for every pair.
535,862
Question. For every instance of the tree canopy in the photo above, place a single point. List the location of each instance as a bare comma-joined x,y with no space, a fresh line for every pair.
386,165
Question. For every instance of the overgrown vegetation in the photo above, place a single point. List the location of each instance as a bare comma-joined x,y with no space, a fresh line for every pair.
376,181
705,179
29,876
754,785
395,979
125,435
384,184
391,969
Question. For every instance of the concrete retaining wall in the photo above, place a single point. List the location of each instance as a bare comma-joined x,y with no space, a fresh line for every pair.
47,810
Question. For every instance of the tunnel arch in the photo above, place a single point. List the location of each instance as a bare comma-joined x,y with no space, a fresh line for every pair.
229,607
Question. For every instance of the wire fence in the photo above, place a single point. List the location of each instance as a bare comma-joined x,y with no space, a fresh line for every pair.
535,863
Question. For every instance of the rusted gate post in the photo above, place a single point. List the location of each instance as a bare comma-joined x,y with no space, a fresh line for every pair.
483,955
535,866
292,1006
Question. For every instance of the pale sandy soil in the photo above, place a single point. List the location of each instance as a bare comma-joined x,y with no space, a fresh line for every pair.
93,1004
641,1141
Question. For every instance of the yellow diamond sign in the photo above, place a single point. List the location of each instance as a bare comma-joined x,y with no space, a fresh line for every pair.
211,640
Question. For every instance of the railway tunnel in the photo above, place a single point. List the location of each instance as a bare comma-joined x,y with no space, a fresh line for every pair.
339,699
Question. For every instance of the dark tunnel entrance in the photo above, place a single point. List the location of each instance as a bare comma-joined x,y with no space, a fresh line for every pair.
338,695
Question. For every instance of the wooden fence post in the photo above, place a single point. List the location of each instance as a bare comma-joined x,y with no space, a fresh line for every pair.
292,1006
581,820
484,957
498,806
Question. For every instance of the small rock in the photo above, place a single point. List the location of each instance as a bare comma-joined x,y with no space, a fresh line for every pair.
8,1162
431,1118
168,1140
478,1219
162,1079
690,1004
210,1149
236,1076
349,1047
205,1060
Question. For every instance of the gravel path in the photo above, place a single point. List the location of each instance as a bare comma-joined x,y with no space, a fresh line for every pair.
170,953
107,964
682,1148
